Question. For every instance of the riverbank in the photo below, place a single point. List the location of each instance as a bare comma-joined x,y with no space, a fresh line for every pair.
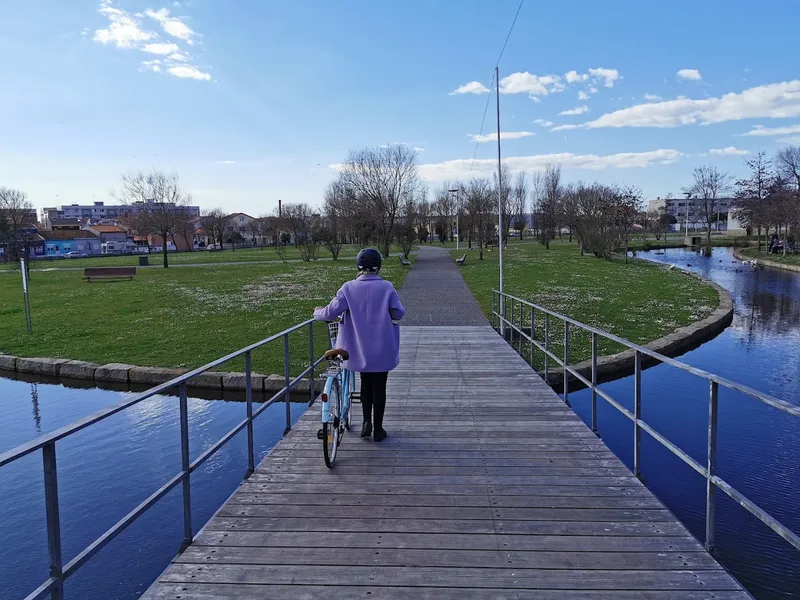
638,301
790,262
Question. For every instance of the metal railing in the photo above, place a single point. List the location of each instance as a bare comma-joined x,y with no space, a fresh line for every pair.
707,471
59,572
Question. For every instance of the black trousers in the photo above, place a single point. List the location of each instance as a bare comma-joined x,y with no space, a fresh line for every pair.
373,396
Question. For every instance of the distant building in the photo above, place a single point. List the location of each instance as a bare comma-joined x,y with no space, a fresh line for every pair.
99,212
61,242
691,212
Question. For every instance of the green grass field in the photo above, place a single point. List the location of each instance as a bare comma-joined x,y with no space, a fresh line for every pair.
179,318
638,301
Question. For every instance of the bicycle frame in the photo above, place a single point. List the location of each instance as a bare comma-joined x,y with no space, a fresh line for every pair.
346,382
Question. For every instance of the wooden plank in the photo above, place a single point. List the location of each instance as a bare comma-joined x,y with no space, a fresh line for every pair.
232,525
345,478
434,500
472,558
532,579
204,591
552,543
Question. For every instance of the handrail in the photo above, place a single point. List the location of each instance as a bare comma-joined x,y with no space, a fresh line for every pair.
713,481
53,586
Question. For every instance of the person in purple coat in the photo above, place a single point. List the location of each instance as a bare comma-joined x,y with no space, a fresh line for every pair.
369,306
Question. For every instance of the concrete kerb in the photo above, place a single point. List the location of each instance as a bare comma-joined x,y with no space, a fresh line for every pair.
682,340
124,373
766,262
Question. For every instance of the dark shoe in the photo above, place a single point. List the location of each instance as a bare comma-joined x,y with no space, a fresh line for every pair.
380,435
366,429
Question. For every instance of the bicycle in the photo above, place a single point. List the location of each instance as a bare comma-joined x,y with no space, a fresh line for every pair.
336,398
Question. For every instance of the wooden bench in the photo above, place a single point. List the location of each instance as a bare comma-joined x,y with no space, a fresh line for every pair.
90,273
405,262
462,260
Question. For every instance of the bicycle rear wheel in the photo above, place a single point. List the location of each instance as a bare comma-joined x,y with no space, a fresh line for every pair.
331,431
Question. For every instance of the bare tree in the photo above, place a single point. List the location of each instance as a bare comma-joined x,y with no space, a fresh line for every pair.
787,163
550,204
424,211
332,232
519,203
536,195
444,207
478,207
406,232
750,206
16,215
185,226
709,185
299,220
383,179
255,228
215,222
156,200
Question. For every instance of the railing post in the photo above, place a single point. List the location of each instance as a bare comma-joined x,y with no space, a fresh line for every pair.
533,329
186,476
311,359
248,386
494,307
566,361
637,413
546,347
711,489
53,518
594,382
286,384
511,333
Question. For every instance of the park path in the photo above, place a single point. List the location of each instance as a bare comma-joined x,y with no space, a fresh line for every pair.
435,294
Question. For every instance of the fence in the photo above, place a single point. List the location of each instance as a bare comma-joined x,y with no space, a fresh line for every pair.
507,312
54,585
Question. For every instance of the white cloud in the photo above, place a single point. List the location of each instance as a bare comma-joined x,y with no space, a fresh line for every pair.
760,130
173,26
228,162
592,90
652,98
124,30
543,122
689,74
578,110
728,151
774,101
565,127
533,85
473,87
418,149
609,76
504,135
459,169
161,48
574,77
583,95
188,72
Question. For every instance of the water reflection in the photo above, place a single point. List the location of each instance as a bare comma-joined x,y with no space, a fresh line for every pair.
37,418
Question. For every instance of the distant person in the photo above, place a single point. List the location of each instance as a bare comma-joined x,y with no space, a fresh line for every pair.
369,306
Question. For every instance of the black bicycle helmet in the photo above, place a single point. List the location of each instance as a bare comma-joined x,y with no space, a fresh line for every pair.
369,260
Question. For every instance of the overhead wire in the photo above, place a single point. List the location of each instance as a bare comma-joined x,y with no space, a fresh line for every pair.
489,95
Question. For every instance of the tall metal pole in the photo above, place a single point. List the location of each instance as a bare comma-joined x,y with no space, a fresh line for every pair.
499,192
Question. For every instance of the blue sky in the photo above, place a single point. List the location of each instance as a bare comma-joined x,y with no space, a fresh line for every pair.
251,101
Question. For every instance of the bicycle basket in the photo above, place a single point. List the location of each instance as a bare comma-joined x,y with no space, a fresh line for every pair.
333,332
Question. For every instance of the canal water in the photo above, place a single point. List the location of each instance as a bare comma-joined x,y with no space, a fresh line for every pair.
105,471
758,446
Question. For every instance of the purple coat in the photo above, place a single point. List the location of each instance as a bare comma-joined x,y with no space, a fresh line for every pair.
367,331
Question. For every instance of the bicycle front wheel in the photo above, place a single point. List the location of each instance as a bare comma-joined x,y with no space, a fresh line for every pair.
331,431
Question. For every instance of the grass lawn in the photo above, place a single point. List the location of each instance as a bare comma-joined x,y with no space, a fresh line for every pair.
789,259
638,301
180,318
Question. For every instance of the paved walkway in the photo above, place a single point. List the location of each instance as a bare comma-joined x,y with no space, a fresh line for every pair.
434,293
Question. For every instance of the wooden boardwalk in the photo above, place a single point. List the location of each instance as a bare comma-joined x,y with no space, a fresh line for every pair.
489,486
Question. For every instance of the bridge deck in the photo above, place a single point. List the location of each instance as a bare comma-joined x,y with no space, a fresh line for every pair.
488,487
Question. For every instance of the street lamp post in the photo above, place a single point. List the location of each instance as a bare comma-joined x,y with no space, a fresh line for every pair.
458,233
